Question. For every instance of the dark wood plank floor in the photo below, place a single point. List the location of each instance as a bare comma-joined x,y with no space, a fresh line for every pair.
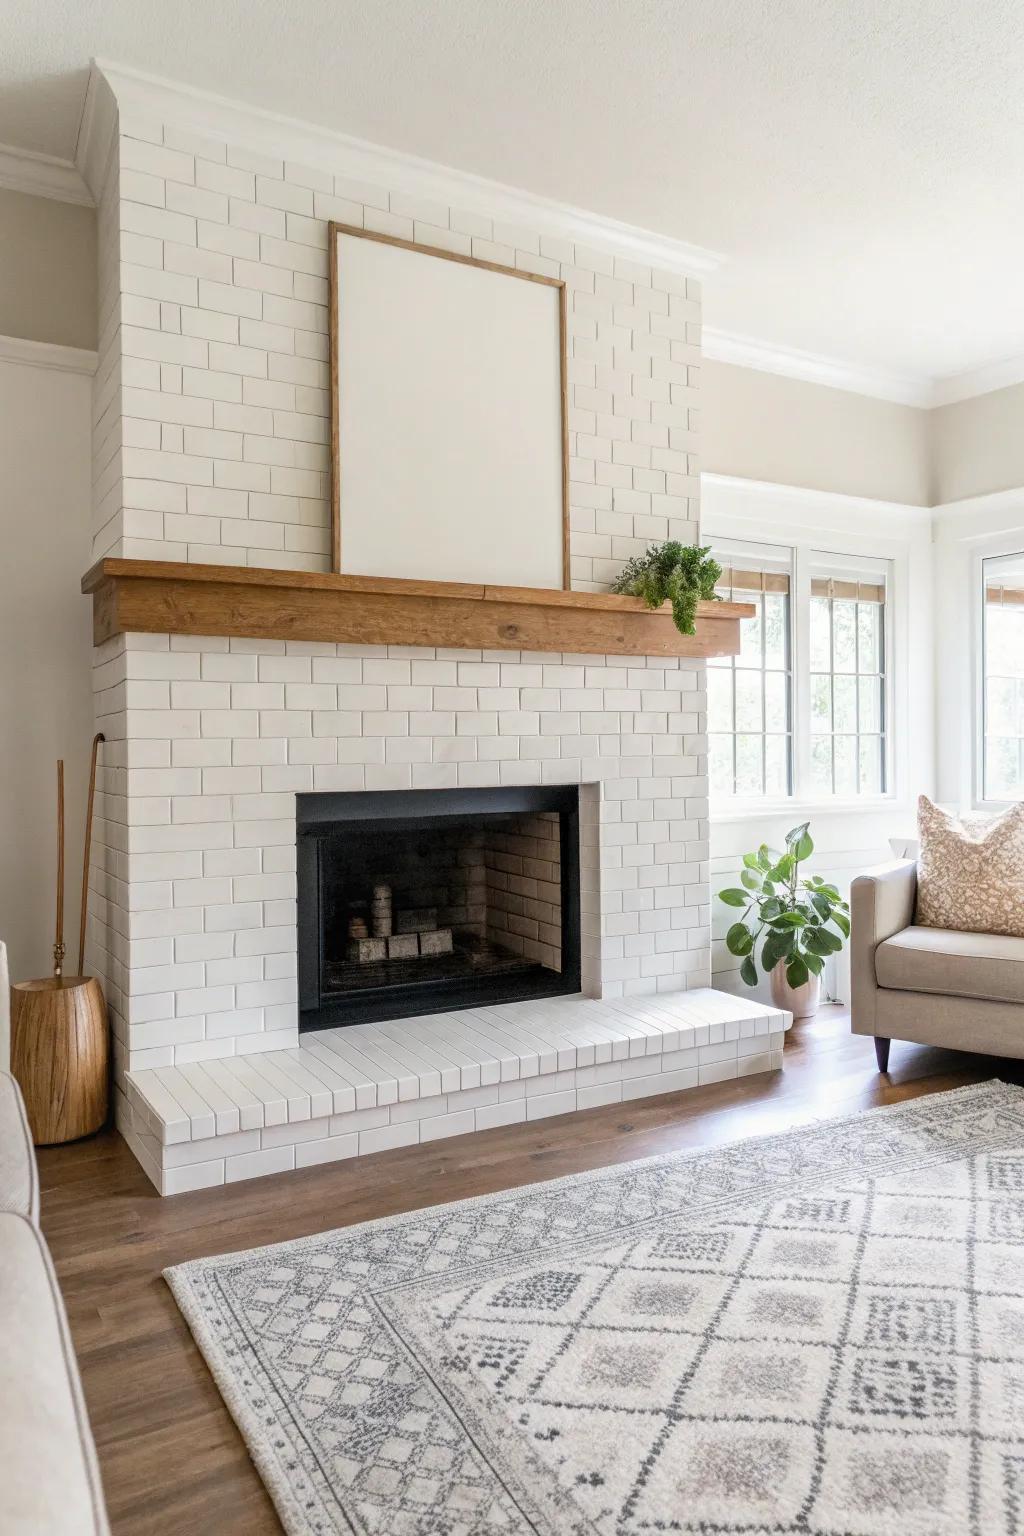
173,1463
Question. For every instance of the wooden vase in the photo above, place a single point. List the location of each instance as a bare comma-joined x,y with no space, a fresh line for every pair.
60,1056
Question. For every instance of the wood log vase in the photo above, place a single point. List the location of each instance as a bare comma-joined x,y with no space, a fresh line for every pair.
60,1051
60,1056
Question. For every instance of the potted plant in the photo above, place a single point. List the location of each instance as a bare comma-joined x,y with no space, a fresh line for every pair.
681,574
801,919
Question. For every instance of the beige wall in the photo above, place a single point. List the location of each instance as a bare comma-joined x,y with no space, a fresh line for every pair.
977,445
45,652
47,270
764,427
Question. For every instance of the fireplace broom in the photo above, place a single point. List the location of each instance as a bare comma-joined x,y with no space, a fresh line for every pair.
88,848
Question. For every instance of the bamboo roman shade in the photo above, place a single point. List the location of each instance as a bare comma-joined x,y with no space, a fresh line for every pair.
1003,597
736,580
847,578
851,591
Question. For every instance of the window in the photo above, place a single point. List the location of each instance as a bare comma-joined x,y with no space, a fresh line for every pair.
1003,667
749,695
847,667
802,711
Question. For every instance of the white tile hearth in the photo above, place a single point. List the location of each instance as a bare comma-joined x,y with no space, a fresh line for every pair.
347,1092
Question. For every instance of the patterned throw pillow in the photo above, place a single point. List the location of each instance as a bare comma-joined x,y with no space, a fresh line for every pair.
970,871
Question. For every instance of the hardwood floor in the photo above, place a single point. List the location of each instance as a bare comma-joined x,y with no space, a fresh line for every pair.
173,1463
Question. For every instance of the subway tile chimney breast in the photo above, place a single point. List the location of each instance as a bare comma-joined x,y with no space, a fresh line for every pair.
211,433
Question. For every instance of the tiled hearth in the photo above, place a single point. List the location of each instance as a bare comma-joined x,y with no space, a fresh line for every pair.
343,1093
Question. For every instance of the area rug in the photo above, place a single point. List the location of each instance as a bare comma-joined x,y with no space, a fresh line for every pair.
820,1332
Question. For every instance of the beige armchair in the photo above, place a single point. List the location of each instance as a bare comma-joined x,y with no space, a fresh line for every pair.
934,985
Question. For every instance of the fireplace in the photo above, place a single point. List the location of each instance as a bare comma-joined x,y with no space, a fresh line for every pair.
420,901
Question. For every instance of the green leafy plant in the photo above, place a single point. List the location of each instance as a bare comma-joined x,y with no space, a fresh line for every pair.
797,916
680,574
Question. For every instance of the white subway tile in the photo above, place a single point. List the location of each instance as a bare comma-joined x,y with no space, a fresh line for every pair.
195,262
250,1165
198,202
329,1149
284,195
158,223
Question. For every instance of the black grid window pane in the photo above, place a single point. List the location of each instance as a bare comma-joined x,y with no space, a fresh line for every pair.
750,730
847,691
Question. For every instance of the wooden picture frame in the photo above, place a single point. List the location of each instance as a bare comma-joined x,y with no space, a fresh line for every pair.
336,230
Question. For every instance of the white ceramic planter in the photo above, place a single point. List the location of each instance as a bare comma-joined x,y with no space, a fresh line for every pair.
801,1002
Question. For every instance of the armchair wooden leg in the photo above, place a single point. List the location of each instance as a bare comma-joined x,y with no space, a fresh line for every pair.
882,1053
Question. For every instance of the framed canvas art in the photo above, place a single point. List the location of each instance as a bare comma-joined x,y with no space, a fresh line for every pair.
449,430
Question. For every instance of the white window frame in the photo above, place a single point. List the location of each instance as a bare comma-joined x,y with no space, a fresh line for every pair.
812,523
802,737
1009,543
760,555
964,534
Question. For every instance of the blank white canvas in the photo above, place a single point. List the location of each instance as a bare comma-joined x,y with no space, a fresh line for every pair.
450,426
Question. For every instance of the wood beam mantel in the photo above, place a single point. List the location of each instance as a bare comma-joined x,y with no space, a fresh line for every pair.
164,597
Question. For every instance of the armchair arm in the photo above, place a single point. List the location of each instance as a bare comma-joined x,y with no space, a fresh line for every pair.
882,901
881,904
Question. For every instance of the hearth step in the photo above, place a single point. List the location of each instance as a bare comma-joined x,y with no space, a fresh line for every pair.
348,1092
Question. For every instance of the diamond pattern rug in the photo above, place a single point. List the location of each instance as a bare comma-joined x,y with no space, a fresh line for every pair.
818,1333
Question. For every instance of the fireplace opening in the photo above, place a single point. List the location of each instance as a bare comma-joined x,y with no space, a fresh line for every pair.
420,901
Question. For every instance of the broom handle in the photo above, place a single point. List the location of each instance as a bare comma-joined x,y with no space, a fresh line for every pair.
58,942
88,849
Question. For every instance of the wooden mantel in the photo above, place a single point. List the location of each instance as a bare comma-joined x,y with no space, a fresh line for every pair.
164,597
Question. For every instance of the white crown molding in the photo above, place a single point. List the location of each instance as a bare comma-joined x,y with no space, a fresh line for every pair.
815,368
756,500
734,507
41,176
980,513
286,138
46,354
877,383
96,134
984,380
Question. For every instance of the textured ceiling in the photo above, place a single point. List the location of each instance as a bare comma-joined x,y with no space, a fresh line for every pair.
860,163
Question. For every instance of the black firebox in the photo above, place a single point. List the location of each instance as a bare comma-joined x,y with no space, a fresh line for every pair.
420,901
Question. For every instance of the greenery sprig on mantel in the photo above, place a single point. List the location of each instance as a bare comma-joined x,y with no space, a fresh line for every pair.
681,574
796,916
